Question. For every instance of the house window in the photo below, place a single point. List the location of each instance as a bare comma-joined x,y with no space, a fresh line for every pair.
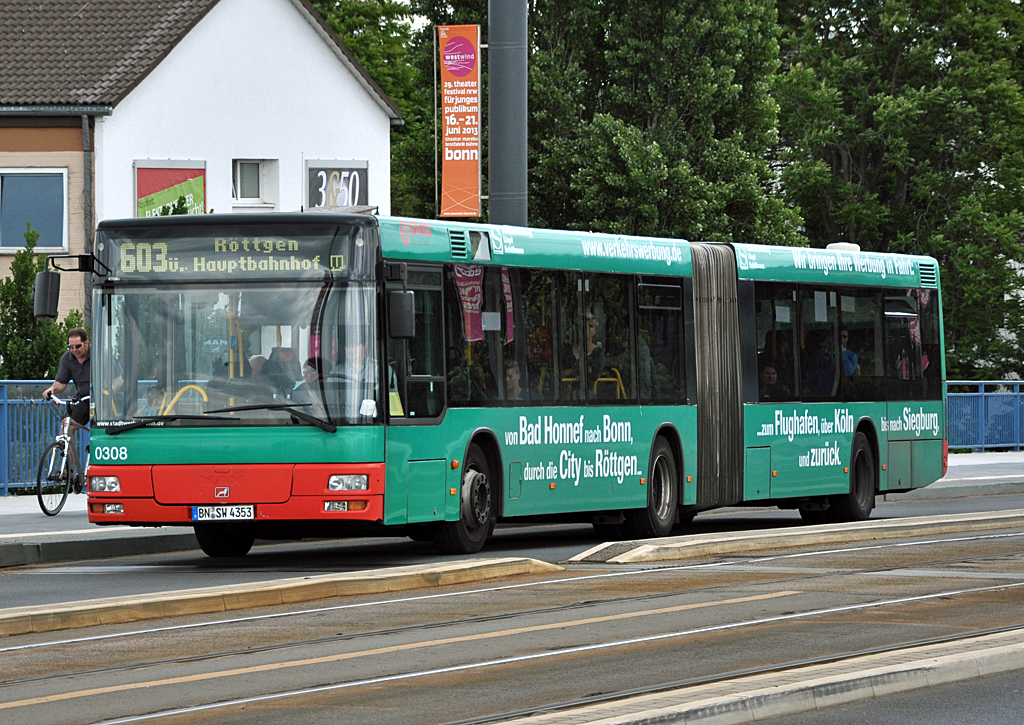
254,184
37,197
246,179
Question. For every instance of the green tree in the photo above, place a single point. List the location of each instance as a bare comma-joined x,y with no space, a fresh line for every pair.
655,118
380,34
902,130
30,349
178,208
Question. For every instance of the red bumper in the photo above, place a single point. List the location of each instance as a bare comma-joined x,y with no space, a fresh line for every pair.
154,495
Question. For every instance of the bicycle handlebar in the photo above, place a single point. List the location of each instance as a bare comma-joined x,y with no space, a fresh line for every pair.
68,401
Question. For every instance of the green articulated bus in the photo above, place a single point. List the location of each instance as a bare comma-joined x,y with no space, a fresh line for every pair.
311,375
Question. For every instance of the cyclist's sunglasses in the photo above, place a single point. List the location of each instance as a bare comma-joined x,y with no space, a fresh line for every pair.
76,347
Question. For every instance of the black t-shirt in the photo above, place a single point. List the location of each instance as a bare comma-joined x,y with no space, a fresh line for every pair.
70,370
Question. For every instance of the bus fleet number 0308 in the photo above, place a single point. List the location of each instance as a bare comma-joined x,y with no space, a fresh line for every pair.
110,453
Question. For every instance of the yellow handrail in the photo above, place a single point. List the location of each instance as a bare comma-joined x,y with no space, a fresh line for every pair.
177,395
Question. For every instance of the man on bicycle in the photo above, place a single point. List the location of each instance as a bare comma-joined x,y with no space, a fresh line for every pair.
74,367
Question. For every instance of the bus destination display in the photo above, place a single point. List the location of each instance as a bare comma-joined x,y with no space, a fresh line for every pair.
228,257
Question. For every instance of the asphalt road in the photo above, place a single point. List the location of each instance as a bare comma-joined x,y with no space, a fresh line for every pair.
504,648
992,700
133,575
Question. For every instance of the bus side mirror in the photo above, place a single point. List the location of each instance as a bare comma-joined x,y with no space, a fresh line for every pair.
401,314
45,295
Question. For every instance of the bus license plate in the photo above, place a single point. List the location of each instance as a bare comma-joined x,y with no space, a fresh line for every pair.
223,513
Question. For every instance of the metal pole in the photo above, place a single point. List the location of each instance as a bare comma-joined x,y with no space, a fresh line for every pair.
437,195
507,109
5,441
87,204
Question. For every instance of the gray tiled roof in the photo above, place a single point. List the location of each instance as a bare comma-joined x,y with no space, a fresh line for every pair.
94,52
79,53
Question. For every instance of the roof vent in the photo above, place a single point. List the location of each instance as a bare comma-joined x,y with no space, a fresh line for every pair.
929,275
459,243
844,246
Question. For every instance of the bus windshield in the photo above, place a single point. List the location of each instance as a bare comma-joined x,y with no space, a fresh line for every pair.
249,354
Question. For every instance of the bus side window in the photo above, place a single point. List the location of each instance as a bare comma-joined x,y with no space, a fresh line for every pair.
820,371
609,354
661,369
529,371
474,316
776,308
414,369
861,342
911,345
570,288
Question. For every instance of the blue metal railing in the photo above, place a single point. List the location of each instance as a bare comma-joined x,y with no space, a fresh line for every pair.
27,426
989,415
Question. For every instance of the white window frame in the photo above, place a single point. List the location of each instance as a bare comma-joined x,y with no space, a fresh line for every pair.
268,176
37,171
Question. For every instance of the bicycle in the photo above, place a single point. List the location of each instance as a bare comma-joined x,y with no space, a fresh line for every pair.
60,470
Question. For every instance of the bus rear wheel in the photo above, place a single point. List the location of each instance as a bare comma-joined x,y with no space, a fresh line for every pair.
476,508
857,505
659,516
224,539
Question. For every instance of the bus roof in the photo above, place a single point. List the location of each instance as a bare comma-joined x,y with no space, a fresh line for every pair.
445,241
432,240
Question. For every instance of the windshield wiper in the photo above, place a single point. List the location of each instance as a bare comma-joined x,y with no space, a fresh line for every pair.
146,420
286,408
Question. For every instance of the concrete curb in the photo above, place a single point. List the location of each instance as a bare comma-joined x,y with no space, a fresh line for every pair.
757,697
117,610
102,542
56,548
690,547
961,490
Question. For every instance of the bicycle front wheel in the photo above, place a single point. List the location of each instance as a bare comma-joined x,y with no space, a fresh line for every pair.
53,480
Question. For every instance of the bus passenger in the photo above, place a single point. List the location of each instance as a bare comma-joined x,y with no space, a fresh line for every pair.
770,387
595,351
312,374
513,383
256,364
820,377
849,356
282,369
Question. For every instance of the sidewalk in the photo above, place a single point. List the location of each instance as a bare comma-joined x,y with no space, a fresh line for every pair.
27,536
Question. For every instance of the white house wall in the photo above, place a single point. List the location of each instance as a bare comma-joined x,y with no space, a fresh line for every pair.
252,80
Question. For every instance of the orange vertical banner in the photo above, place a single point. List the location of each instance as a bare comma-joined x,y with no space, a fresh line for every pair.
460,112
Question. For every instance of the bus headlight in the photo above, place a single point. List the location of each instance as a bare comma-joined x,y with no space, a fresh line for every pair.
108,484
359,482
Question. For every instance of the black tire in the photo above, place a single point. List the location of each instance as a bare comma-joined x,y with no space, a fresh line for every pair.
420,532
53,479
857,505
224,539
476,508
659,516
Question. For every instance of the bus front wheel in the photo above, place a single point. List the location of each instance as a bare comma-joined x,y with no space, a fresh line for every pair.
857,505
224,539
476,508
659,516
